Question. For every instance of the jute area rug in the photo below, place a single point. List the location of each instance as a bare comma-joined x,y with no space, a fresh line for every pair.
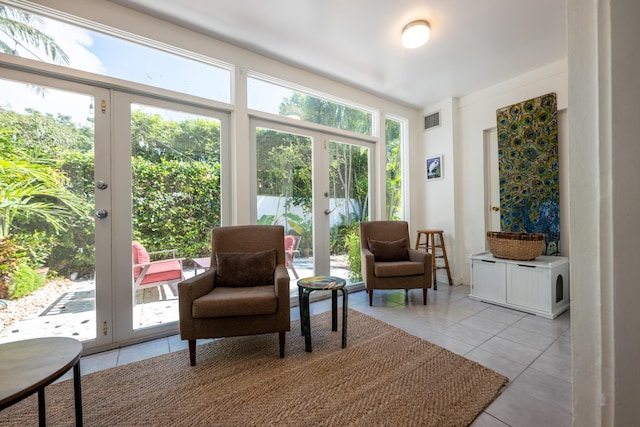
384,377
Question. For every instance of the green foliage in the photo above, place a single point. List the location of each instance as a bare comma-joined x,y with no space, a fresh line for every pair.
175,205
32,189
306,236
25,281
338,234
22,28
284,167
44,135
352,243
8,263
292,221
349,178
35,249
393,170
156,139
328,113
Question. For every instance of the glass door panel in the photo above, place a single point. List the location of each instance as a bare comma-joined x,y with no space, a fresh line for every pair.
318,189
48,226
284,194
175,200
348,204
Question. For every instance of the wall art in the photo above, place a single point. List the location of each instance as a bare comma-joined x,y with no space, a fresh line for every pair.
434,168
528,161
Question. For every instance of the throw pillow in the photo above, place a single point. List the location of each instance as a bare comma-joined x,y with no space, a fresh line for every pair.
386,251
245,268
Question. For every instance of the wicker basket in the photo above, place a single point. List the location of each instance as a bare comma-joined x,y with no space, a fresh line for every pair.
516,246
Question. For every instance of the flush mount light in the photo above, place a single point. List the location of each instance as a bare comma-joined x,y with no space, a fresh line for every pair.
415,34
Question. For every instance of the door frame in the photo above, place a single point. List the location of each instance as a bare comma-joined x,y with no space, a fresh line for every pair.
491,181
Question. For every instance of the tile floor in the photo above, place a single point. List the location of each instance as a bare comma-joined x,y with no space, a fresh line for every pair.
535,353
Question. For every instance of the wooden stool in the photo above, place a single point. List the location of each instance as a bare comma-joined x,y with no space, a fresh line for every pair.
430,246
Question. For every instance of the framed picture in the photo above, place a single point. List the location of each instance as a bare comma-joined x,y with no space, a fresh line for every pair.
434,168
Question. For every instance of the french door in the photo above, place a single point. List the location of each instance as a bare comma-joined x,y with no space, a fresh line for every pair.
86,172
314,184
55,205
168,181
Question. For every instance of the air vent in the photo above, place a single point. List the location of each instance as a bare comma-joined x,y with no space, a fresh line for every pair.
432,120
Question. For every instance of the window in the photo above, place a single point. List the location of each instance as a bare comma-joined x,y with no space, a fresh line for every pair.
296,103
134,60
394,131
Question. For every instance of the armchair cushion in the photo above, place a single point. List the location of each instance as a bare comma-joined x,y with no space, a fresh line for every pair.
242,301
398,269
236,269
386,251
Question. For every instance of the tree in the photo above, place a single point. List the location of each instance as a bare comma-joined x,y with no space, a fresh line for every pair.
349,165
155,138
33,188
349,179
393,170
20,32
324,112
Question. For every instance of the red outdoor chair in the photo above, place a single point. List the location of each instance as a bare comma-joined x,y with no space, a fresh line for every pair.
148,274
290,250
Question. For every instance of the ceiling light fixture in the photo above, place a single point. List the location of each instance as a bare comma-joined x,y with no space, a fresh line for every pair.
415,34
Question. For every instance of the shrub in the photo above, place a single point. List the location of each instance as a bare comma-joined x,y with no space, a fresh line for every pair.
352,242
175,205
8,265
25,281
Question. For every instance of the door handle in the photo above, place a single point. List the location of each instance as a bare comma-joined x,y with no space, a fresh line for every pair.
101,213
495,208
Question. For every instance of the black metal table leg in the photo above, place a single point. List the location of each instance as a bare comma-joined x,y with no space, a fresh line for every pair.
334,310
306,320
345,303
42,416
300,291
77,392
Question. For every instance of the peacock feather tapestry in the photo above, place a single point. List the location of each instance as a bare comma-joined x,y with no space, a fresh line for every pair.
528,161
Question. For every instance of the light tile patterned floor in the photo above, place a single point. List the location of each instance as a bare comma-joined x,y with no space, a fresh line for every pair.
535,353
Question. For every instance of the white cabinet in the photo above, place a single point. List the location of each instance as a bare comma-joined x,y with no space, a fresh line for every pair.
540,286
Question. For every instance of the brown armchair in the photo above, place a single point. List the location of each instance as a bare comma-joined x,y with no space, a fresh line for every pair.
245,292
388,261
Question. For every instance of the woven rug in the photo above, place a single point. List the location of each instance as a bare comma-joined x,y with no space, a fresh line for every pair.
384,377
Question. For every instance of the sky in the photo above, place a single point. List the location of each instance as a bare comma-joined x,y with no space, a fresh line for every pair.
106,55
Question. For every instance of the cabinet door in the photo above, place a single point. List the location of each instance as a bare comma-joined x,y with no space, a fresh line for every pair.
488,280
528,287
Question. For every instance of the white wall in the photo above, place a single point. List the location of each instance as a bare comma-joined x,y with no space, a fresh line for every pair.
439,203
604,90
464,217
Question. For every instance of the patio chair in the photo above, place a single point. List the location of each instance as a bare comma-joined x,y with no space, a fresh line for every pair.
149,274
290,250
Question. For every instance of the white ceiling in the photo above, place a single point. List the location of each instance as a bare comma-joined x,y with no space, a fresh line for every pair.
474,43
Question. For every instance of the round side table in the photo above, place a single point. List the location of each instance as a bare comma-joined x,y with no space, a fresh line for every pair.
28,366
322,283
